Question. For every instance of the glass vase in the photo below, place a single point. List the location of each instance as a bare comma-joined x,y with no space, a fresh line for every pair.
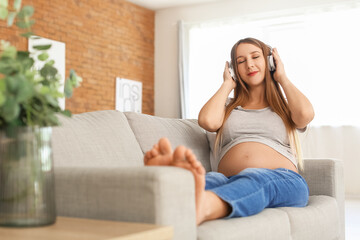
27,194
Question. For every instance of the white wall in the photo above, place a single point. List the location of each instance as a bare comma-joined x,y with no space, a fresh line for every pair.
167,86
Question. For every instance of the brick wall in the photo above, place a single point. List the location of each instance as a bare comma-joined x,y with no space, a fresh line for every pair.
104,39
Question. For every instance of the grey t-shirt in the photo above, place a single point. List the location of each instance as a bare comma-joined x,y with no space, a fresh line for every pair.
260,125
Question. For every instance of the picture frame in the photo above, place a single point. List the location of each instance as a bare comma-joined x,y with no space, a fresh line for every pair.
128,95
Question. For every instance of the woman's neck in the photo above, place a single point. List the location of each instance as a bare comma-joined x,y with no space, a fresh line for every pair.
257,98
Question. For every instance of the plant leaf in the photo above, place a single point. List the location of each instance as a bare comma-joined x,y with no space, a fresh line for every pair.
53,119
12,84
11,18
2,91
27,34
51,100
25,60
23,55
68,89
66,113
42,47
44,90
4,3
2,99
72,75
22,24
3,13
26,11
31,22
24,93
48,71
11,110
9,66
9,52
17,5
24,90
43,56
75,79
2,85
25,24
78,81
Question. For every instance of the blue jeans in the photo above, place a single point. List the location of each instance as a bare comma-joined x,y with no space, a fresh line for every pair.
254,189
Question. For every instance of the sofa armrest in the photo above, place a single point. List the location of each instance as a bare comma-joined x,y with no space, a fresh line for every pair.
326,177
158,195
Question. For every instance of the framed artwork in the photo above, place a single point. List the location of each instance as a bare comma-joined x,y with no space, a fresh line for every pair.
128,95
56,53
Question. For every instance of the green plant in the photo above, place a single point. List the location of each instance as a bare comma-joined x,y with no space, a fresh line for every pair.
29,96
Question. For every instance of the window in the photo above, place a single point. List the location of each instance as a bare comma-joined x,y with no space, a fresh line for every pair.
320,50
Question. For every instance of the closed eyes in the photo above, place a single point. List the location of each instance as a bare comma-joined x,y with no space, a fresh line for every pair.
242,61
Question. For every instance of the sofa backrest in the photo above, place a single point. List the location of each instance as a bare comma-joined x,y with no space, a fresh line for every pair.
95,139
149,129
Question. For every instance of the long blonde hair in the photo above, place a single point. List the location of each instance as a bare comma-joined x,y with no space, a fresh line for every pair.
273,95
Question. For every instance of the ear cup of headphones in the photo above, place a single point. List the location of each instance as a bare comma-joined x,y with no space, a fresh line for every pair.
271,63
232,72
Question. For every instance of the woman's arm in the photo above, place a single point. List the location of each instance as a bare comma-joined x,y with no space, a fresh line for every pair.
212,114
302,111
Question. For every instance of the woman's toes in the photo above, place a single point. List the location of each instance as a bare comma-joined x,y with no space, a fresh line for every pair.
179,154
164,146
158,155
191,158
154,152
200,169
147,156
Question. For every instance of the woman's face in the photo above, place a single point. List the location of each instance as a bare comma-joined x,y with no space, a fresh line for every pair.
251,64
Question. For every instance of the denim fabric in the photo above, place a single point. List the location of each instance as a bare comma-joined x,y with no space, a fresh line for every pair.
254,189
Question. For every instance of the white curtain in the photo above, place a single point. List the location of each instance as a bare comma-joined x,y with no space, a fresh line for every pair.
341,142
183,72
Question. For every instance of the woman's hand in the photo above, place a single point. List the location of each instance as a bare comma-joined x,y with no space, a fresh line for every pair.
279,74
227,77
212,114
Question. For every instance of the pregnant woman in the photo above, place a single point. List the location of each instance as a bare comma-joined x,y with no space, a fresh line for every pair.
256,142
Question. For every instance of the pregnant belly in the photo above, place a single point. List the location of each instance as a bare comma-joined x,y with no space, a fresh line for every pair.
252,155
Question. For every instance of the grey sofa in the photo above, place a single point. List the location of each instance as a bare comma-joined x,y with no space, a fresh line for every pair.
99,174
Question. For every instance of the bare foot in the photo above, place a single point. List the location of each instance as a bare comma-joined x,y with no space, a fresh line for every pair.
160,155
185,158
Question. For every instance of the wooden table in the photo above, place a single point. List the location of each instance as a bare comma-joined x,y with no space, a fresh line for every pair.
87,229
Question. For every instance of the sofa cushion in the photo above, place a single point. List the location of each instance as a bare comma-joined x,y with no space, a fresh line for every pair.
318,220
315,221
149,129
95,139
270,224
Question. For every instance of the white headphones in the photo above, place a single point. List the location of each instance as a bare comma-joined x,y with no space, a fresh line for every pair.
231,70
271,63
